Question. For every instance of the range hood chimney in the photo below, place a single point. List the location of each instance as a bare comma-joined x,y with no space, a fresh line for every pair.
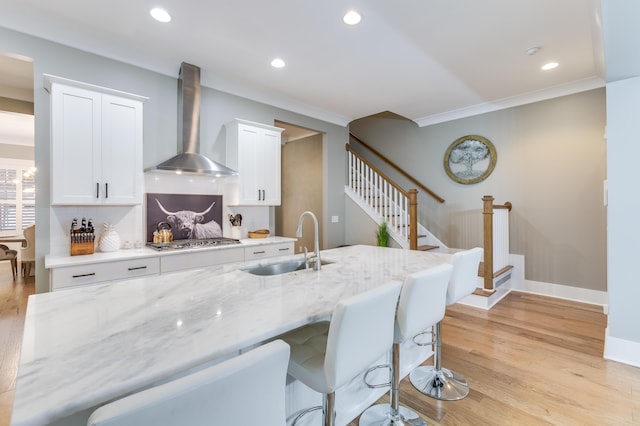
189,160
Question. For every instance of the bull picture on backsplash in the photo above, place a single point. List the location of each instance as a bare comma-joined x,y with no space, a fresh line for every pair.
190,216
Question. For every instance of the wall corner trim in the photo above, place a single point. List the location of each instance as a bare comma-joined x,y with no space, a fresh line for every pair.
621,350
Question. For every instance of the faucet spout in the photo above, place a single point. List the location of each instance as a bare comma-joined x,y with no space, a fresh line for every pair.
316,244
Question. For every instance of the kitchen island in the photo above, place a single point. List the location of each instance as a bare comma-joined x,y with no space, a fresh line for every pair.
89,345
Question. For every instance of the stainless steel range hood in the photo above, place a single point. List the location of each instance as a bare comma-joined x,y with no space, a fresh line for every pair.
189,160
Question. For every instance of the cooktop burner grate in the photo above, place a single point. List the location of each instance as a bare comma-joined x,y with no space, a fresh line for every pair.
187,244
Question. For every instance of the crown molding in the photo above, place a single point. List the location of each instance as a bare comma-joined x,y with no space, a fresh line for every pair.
513,101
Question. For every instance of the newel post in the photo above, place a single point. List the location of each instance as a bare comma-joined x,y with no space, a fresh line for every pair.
413,219
487,214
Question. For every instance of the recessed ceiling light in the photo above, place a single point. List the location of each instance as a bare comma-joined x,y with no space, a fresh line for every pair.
277,63
352,17
160,14
550,66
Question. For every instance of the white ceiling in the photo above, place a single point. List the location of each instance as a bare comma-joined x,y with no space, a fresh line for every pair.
427,60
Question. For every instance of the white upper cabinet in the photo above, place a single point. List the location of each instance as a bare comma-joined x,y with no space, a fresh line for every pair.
96,145
254,150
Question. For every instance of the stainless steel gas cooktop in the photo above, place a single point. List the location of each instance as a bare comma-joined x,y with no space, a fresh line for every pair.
189,244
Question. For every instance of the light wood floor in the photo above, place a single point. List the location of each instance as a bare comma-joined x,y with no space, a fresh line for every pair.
529,360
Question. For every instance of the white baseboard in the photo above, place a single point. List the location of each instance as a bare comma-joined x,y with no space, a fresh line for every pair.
584,295
519,283
620,350
486,302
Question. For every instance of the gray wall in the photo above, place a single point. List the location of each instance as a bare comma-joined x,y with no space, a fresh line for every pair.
621,41
160,124
551,166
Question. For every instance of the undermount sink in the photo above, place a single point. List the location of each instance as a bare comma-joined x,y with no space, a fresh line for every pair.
281,267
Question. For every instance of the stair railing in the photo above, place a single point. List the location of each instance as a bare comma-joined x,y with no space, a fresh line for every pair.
381,194
397,168
496,240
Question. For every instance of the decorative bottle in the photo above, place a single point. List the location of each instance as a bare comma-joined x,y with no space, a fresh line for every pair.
110,240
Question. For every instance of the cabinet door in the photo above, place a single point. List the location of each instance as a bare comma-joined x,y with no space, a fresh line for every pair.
200,259
122,178
75,145
264,251
73,276
269,154
249,165
253,149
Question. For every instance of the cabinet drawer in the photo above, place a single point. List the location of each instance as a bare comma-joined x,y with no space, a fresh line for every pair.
200,259
270,250
101,272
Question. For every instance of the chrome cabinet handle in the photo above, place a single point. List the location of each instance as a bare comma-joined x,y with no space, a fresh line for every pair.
106,190
258,252
284,249
97,189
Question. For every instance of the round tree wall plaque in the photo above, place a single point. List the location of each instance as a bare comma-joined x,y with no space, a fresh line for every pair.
470,159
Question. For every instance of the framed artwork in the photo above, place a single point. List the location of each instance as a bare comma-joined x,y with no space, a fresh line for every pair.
188,214
470,159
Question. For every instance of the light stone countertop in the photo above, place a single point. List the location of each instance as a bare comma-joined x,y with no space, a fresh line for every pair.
128,254
85,346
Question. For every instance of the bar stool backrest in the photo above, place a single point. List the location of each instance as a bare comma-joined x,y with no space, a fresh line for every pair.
361,331
464,278
247,389
422,301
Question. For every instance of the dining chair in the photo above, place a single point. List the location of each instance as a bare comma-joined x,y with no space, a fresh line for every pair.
28,253
11,255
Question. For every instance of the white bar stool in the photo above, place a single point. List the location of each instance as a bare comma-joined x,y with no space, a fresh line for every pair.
247,389
422,303
325,356
436,381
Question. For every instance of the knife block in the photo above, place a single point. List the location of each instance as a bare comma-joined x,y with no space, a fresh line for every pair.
81,247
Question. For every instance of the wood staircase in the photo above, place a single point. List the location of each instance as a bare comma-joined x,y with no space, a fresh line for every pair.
385,201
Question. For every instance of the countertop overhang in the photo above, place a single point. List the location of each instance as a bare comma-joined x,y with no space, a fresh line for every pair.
86,346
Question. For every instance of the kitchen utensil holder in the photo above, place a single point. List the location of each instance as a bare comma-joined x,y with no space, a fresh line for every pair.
80,248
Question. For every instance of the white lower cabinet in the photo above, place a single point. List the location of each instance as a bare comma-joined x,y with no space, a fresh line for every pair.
63,277
271,250
72,276
200,259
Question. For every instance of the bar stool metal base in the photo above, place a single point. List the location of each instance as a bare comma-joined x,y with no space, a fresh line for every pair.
380,415
443,384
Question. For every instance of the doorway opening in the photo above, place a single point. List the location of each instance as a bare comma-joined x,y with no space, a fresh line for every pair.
17,164
301,183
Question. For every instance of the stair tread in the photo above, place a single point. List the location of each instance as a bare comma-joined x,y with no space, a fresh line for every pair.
483,292
427,247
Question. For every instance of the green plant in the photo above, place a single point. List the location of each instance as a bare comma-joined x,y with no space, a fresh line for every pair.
383,235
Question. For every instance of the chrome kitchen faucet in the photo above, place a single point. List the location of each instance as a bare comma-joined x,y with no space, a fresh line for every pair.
318,264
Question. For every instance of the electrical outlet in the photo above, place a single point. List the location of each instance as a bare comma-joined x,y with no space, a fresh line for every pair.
335,219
